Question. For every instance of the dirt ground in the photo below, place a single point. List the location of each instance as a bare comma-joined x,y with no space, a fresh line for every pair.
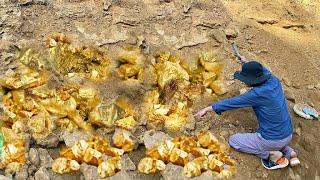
284,35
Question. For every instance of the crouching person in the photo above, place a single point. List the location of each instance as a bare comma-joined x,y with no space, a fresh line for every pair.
271,140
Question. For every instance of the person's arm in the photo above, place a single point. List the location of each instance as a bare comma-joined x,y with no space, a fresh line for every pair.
246,100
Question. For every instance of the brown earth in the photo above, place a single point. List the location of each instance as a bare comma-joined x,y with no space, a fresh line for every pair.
283,34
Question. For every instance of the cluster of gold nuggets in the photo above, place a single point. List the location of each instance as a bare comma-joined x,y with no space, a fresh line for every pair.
95,151
196,154
32,105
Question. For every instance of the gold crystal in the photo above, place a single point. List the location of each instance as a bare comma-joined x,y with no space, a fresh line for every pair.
63,165
178,157
122,139
192,169
127,123
218,87
149,165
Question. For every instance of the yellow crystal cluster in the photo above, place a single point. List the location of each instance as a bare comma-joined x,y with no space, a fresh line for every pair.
209,72
132,60
95,151
196,154
13,150
77,60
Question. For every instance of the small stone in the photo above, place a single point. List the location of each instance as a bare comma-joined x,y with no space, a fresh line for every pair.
127,164
317,86
219,36
71,138
42,174
22,174
173,172
287,82
298,131
107,4
224,133
45,158
231,33
51,141
34,156
89,172
289,95
192,40
152,138
265,175
310,87
310,104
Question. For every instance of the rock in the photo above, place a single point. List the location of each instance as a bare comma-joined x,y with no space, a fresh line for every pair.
224,133
192,40
310,87
31,170
139,133
298,131
34,156
204,176
317,86
265,175
219,36
89,172
113,38
50,141
22,174
152,138
267,21
45,158
121,175
107,4
2,177
173,172
42,174
71,138
187,6
287,82
230,33
127,164
289,95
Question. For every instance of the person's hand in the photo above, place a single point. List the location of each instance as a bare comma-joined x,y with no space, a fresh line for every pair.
203,112
242,60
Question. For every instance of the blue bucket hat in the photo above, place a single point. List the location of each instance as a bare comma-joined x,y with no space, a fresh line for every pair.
252,73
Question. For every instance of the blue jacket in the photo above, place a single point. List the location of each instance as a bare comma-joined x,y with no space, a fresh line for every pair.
270,106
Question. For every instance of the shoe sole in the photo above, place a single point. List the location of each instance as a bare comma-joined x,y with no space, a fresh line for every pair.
280,166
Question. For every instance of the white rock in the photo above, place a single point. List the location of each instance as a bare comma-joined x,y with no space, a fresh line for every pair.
45,158
89,172
127,164
71,138
152,138
173,172
34,156
42,174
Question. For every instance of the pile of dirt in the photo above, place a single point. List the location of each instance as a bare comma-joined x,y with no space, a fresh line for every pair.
282,34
